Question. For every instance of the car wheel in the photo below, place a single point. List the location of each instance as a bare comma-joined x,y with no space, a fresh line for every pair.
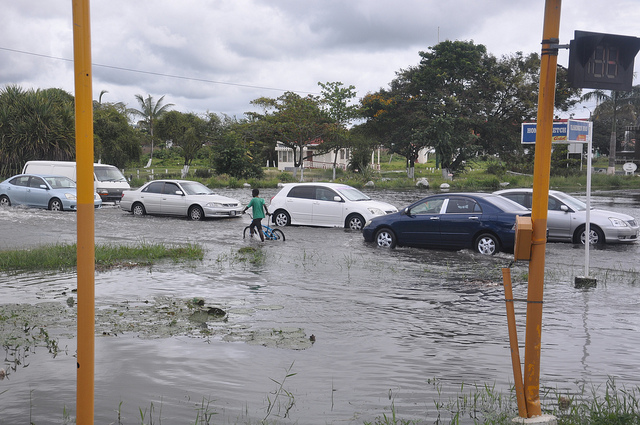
55,204
5,201
487,244
354,222
596,235
281,218
385,238
138,209
196,213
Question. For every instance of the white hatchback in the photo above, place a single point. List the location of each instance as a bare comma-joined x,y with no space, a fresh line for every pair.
326,205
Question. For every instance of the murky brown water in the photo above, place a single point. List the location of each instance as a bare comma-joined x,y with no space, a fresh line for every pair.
386,323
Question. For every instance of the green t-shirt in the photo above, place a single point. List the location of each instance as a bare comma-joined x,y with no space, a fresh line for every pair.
257,204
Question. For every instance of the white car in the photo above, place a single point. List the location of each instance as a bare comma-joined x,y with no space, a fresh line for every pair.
326,205
567,217
180,198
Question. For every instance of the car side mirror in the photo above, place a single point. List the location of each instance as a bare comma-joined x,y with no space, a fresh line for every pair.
179,192
44,186
564,208
406,211
337,198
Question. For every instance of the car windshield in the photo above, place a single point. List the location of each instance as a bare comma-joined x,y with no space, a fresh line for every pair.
195,188
571,202
506,204
108,174
60,182
353,194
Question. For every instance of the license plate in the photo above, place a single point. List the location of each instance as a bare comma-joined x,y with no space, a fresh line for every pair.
232,213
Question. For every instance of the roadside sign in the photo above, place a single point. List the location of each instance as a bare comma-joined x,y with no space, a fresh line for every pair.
564,131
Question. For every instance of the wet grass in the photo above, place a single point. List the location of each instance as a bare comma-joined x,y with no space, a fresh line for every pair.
64,256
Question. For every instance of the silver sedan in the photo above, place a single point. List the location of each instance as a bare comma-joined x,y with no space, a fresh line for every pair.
180,198
567,217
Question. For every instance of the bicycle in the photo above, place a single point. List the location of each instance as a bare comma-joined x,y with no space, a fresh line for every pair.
269,233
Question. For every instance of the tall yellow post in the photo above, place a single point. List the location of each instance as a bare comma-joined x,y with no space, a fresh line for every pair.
85,216
542,165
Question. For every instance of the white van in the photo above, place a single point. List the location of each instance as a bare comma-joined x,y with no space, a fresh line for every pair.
108,180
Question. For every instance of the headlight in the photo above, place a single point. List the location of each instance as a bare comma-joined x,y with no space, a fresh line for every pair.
214,205
617,222
70,196
376,211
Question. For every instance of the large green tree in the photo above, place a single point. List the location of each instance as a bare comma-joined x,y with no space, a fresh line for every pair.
616,108
35,124
461,101
150,112
115,141
336,102
187,131
294,120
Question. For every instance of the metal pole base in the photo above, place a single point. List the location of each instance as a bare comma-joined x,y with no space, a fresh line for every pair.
538,420
585,282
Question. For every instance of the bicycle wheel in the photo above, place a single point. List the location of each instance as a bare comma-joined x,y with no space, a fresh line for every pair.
246,232
277,235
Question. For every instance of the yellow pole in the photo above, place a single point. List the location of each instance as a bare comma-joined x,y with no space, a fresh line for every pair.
513,342
85,216
542,165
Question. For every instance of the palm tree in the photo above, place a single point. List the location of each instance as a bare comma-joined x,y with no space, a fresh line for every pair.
150,112
625,102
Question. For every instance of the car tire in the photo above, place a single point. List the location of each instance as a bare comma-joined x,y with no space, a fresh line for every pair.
487,244
5,201
354,222
385,238
138,209
196,213
596,236
281,218
55,204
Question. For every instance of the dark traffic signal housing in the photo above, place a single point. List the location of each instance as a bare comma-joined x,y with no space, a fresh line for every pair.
602,61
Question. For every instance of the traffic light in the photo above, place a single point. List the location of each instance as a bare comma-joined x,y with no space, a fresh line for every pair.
602,61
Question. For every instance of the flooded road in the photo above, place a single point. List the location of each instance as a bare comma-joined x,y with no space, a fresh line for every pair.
387,324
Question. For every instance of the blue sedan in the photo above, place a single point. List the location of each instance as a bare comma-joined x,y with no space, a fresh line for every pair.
481,221
56,193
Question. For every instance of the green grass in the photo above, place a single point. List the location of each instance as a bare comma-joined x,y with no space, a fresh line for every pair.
64,256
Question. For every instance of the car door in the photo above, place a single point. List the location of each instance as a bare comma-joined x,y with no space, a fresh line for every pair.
173,201
559,219
37,194
299,204
17,190
460,222
327,209
420,224
151,197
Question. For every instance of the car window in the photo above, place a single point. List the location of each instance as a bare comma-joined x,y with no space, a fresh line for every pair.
555,204
196,188
36,182
325,194
431,206
20,181
521,198
352,194
462,206
154,187
170,189
307,192
60,182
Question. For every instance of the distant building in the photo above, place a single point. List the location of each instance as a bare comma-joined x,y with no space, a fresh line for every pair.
312,159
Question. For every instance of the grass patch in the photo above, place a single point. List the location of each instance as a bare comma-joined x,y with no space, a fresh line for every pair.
64,256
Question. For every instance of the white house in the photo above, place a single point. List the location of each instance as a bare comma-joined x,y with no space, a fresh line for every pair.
312,159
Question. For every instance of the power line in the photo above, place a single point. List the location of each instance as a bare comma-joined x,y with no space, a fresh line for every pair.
159,74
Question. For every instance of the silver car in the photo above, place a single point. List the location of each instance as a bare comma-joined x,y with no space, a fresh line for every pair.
180,198
566,219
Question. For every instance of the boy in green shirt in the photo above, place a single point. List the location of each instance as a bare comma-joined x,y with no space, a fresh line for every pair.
257,204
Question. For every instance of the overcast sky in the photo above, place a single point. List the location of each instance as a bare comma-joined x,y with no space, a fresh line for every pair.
217,56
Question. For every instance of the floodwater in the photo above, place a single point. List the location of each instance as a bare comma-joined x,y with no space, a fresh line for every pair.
404,328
